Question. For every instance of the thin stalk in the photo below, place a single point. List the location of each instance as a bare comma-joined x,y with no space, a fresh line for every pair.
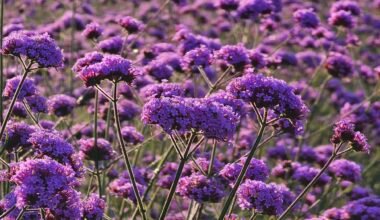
124,152
216,84
7,212
109,116
213,152
15,96
21,214
312,182
244,169
156,172
98,178
1,60
176,179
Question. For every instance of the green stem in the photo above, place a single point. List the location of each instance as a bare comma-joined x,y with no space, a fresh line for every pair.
176,179
213,152
125,155
312,182
15,96
155,176
244,169
1,60
98,178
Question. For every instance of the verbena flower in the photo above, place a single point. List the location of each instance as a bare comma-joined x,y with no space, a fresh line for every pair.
39,48
228,5
349,6
339,65
92,31
17,135
304,174
342,18
267,199
111,45
127,109
131,135
95,67
93,207
61,105
159,70
201,188
183,114
306,18
345,170
28,88
198,57
44,183
251,9
37,103
161,90
257,170
268,92
131,24
233,55
101,151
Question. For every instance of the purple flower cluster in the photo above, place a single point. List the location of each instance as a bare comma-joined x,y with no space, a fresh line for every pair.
267,199
92,31
61,105
268,92
101,151
131,135
306,18
344,132
257,170
95,67
44,183
131,24
93,207
183,114
28,88
162,90
345,170
17,135
39,48
201,188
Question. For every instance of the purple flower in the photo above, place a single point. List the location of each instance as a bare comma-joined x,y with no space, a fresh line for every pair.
28,88
285,169
257,170
267,199
131,135
198,57
349,6
44,183
201,188
343,131
342,18
122,187
37,47
95,67
131,24
226,99
345,170
233,55
111,45
37,103
359,143
229,5
251,9
162,90
101,151
366,208
92,31
167,174
93,207
17,135
307,18
127,110
304,174
339,65
19,110
268,92
61,105
183,114
159,70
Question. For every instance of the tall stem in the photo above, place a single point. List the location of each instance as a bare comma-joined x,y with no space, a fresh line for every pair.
244,170
15,96
1,59
176,179
124,151
312,182
98,178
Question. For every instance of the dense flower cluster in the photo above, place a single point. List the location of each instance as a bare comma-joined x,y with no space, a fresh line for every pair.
28,88
269,199
40,48
183,114
268,92
95,67
102,150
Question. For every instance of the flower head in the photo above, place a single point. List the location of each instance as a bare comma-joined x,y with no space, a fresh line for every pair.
40,48
131,24
101,151
306,18
61,105
345,170
28,88
92,31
